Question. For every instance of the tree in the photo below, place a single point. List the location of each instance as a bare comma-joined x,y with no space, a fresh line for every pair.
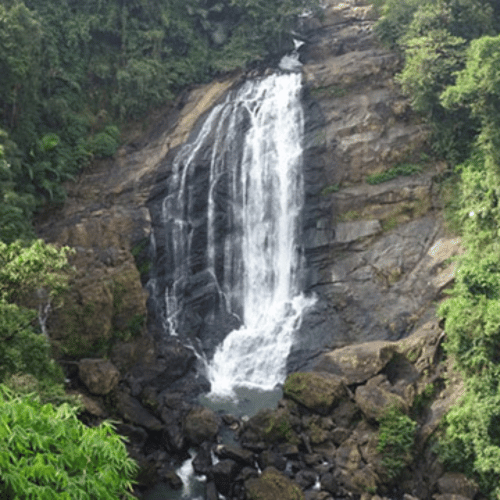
478,84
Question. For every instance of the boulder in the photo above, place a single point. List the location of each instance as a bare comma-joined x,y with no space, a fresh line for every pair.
449,496
203,459
92,406
455,483
269,458
235,453
305,478
201,424
134,412
272,485
246,473
104,304
270,427
100,376
375,397
329,483
357,363
223,474
318,392
173,480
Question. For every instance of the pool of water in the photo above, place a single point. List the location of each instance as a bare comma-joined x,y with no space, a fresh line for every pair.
247,402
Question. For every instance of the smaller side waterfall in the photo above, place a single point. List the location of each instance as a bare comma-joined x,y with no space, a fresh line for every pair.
230,238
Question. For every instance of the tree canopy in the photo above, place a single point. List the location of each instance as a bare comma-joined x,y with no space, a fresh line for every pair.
72,72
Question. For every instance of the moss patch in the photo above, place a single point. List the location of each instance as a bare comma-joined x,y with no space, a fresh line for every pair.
318,392
272,486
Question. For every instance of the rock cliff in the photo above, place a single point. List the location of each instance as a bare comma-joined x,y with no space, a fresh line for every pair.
377,258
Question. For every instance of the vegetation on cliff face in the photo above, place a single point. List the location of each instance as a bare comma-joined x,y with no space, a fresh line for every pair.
452,74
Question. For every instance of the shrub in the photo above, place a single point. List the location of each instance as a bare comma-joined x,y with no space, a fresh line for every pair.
47,453
395,441
105,143
392,173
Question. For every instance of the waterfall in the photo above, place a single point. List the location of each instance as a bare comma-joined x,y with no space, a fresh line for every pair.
232,222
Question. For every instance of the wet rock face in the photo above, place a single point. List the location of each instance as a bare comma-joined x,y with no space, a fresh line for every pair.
367,247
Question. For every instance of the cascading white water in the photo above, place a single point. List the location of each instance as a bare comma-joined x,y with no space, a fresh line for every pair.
268,196
252,144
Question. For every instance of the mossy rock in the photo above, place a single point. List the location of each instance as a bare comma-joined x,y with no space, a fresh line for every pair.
319,392
272,486
271,427
104,304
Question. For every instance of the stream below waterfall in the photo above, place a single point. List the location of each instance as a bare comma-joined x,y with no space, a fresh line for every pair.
228,245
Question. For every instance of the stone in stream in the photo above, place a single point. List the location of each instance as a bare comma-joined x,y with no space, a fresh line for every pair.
201,424
223,474
273,485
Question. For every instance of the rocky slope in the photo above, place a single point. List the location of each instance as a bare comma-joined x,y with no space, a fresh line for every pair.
377,259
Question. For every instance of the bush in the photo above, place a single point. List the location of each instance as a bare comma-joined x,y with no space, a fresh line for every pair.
471,442
395,441
392,173
105,143
47,453
21,349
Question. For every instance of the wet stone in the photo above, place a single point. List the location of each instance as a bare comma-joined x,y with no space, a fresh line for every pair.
305,479
270,459
235,453
223,474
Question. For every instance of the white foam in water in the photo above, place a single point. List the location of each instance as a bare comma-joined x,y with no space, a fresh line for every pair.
191,482
269,196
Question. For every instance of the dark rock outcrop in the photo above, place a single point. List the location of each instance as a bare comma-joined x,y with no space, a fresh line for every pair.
100,376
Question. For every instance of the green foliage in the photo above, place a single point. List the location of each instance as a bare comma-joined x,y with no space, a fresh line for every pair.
16,208
396,439
25,270
431,60
424,399
105,143
471,443
478,84
331,188
404,169
47,453
21,349
30,276
434,36
72,69
396,16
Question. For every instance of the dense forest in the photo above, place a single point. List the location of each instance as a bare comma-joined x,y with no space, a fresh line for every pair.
72,73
